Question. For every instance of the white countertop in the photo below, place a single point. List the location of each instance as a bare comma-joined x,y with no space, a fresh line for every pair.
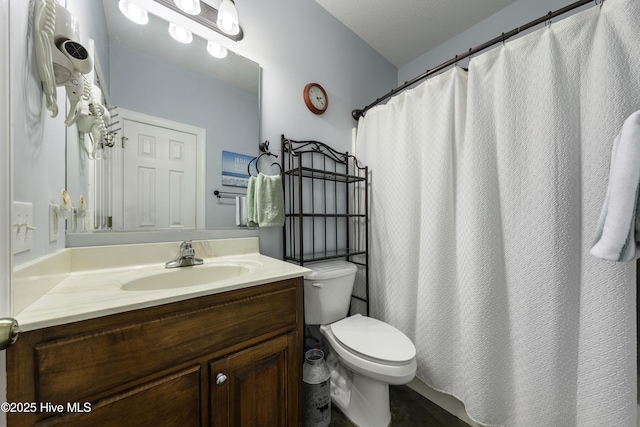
92,286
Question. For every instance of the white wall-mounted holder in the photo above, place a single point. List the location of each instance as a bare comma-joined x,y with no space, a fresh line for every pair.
57,214
22,231
82,216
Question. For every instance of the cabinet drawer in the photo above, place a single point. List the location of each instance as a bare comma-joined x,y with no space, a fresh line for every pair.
88,364
171,400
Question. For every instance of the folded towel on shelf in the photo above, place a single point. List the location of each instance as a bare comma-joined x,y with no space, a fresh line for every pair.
618,233
252,220
269,201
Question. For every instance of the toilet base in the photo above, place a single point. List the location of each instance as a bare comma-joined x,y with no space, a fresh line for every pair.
367,403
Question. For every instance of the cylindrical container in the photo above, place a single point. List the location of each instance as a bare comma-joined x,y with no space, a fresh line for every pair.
241,211
317,390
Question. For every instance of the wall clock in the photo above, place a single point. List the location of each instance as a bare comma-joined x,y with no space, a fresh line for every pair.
316,98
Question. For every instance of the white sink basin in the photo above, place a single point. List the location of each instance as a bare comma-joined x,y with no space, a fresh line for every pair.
183,277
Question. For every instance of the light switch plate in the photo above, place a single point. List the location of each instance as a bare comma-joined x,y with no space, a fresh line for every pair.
22,230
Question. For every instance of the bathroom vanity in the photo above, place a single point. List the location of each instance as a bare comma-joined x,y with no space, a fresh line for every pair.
224,355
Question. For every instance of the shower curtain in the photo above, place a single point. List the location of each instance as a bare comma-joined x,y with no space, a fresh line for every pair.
486,188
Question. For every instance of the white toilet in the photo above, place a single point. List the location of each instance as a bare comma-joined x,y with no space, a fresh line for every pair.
375,354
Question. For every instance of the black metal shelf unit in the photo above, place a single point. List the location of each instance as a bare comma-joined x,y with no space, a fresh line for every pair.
326,208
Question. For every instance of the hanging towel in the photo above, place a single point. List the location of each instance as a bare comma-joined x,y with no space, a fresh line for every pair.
269,201
252,220
618,233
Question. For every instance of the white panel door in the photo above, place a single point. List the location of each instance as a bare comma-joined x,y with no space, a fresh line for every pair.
159,177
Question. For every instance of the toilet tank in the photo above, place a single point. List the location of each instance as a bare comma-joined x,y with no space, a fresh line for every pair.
327,291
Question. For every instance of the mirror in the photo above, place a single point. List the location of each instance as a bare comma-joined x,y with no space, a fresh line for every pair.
202,106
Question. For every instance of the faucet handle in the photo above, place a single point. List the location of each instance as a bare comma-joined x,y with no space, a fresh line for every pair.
186,249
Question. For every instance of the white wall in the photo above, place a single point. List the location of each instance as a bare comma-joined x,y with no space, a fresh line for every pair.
512,16
5,191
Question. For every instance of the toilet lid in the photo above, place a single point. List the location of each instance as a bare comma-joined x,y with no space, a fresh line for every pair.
374,338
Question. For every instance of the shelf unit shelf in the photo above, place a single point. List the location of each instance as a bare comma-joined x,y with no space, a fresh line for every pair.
327,255
307,172
326,209
319,215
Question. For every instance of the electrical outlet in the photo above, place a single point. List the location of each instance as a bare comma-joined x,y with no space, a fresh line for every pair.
22,230
53,222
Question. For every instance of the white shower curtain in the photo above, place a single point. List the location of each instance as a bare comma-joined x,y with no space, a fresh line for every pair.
485,193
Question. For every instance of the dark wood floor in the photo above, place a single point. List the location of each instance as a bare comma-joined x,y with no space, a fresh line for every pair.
408,409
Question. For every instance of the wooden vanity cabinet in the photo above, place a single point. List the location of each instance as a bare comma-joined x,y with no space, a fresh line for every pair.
230,359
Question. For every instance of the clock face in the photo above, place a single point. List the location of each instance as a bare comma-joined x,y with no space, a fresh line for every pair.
316,95
316,98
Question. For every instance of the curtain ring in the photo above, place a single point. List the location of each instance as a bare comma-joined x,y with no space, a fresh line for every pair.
547,23
503,39
470,55
456,63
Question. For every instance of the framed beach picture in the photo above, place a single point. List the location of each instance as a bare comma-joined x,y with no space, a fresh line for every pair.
234,169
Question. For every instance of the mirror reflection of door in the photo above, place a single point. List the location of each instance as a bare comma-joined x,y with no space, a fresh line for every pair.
159,177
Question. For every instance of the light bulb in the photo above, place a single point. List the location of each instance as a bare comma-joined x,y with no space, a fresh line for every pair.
133,12
216,50
228,18
192,7
180,34
227,25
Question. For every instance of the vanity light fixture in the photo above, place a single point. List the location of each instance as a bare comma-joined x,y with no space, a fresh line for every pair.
210,17
228,18
216,50
192,7
180,34
133,12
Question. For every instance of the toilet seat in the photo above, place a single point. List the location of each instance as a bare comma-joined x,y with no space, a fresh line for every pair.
374,340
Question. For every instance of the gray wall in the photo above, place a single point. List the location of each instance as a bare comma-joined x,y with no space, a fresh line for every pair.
295,47
38,140
294,41
297,42
512,16
93,25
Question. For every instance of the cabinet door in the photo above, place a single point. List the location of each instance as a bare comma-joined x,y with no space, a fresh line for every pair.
258,386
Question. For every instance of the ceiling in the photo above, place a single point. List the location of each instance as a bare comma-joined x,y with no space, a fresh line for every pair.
403,30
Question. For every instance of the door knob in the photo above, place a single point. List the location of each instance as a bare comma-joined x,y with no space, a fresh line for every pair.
9,331
221,378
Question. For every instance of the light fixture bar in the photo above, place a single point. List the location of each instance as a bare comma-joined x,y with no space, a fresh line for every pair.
207,17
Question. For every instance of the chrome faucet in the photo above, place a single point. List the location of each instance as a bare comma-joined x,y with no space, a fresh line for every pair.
186,257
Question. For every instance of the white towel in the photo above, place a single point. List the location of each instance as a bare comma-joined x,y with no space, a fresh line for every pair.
618,232
269,201
252,220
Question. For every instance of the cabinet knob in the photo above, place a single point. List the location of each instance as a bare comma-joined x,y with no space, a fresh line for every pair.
221,378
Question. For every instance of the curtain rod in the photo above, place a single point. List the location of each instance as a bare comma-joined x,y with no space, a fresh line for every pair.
501,38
